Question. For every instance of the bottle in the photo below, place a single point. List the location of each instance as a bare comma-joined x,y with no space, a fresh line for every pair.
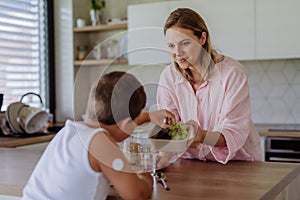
112,47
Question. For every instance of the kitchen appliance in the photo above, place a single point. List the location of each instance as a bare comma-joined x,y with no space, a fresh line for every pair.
282,149
1,101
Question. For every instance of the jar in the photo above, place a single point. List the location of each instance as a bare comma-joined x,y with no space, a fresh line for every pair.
81,52
138,151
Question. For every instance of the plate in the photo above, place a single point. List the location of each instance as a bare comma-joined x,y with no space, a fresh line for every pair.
166,145
12,113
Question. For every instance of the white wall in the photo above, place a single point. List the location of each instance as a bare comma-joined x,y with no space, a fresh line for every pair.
64,71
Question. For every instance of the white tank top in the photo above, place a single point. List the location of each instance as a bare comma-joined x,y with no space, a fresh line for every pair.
63,172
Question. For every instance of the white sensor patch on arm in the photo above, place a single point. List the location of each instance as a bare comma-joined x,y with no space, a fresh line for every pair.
117,164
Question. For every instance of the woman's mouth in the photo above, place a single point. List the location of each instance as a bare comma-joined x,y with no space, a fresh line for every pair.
182,60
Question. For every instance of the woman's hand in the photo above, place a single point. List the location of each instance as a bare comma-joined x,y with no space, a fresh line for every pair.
163,118
163,159
196,137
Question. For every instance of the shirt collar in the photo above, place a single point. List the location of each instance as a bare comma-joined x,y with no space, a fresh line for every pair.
180,80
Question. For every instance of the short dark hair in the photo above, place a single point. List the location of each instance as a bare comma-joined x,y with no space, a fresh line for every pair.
118,95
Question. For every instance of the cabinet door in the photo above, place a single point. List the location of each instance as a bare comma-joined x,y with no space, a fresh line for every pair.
278,29
146,42
231,24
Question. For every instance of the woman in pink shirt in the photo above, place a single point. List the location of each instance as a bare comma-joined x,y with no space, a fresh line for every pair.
208,89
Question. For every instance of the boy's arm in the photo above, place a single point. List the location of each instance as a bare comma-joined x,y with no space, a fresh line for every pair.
106,157
128,184
163,118
142,118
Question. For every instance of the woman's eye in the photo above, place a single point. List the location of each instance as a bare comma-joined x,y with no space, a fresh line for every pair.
170,46
185,43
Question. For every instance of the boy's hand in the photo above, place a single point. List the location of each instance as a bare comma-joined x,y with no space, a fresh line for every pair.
163,118
147,178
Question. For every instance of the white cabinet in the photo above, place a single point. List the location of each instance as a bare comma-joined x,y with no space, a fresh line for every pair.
277,29
146,43
243,29
231,24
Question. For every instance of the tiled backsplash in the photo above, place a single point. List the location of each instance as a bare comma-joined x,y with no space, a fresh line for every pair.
274,90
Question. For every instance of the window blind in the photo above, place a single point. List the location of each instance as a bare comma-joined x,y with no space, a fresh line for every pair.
23,49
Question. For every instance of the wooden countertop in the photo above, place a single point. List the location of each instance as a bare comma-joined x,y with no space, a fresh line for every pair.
6,141
277,130
187,179
236,180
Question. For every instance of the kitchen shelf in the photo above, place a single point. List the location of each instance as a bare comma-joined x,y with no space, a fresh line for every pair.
100,62
102,27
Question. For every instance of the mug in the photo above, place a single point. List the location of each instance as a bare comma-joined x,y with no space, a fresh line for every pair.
80,23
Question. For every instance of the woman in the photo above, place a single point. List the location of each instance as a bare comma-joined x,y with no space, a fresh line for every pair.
208,89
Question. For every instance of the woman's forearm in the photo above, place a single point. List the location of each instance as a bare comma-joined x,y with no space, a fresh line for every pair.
214,138
211,138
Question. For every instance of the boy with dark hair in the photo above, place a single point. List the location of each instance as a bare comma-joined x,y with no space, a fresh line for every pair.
84,158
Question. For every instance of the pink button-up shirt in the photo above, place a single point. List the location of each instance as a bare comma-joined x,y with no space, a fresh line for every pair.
220,104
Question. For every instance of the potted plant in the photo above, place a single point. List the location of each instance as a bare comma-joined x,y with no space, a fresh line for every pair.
96,11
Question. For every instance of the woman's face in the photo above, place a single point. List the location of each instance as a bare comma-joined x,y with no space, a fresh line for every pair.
184,46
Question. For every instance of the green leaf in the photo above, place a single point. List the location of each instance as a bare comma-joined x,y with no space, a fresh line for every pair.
95,4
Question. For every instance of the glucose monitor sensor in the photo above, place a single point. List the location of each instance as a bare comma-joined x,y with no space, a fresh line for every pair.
117,164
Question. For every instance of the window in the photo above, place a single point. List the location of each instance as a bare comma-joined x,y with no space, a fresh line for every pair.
24,50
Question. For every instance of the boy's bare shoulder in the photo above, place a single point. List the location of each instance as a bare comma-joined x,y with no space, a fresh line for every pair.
103,138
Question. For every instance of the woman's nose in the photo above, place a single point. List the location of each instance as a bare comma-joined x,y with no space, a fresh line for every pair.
178,51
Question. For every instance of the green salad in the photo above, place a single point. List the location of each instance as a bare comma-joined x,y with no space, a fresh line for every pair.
178,131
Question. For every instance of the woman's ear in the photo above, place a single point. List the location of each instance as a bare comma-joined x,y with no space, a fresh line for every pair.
203,38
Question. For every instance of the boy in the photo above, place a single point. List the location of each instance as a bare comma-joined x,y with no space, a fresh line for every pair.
84,158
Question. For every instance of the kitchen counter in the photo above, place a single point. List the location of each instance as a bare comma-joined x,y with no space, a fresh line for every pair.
278,130
6,141
187,179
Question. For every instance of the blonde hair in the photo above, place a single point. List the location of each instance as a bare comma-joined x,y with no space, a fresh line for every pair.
189,19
